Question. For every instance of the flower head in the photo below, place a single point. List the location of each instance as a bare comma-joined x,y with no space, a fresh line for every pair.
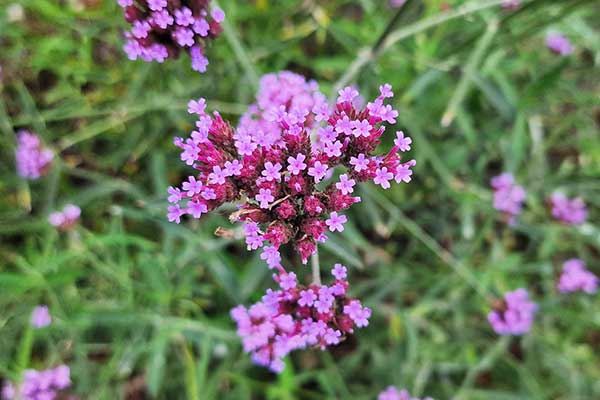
39,384
297,317
515,315
280,158
559,44
391,393
575,277
40,317
568,211
162,29
65,219
33,159
508,196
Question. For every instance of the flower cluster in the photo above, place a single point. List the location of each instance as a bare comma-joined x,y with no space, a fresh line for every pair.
161,29
575,277
559,44
278,159
568,211
40,317
296,317
511,4
397,3
508,196
66,218
33,159
391,393
39,385
514,315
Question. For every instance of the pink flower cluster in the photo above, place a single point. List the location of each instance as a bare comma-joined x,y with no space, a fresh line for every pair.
514,315
40,317
39,385
568,211
33,159
161,29
575,277
278,159
66,218
508,196
391,393
296,317
511,4
559,44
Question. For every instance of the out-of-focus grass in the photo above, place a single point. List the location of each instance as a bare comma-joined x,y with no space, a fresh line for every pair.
141,305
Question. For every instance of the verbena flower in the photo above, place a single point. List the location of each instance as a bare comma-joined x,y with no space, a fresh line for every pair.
391,393
397,3
514,315
278,162
575,277
66,218
508,196
33,159
40,317
559,44
39,385
568,211
511,4
297,317
162,29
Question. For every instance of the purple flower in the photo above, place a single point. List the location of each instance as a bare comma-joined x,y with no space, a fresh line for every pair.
296,165
397,4
347,95
391,393
336,222
278,162
271,255
307,298
402,142
161,30
559,44
39,385
295,318
575,277
339,271
383,177
265,197
318,171
511,4
197,106
508,196
271,172
515,315
40,317
65,219
568,211
33,159
360,163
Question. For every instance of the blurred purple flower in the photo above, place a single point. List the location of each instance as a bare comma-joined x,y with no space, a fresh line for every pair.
33,159
391,393
508,196
559,44
568,211
575,277
66,218
39,385
161,29
40,317
514,315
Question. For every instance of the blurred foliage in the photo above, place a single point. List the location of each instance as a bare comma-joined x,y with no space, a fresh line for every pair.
141,306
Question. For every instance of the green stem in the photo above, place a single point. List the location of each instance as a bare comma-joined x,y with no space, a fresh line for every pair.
24,353
316,268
